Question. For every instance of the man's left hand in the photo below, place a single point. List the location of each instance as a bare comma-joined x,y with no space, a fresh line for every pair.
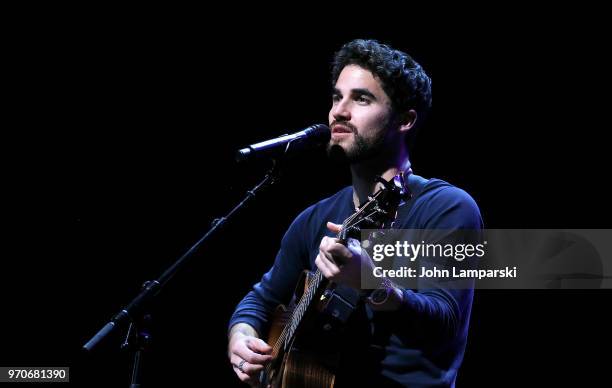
343,264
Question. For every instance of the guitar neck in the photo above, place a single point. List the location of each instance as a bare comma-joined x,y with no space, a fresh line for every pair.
314,284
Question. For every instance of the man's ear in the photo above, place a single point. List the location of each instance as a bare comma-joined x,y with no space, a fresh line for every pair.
408,120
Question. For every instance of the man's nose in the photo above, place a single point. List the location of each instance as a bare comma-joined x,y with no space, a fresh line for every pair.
341,112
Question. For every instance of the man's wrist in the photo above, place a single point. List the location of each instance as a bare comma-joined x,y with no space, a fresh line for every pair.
243,328
387,297
240,330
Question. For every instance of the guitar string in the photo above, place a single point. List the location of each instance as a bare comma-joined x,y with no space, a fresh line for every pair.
297,315
317,278
305,301
311,291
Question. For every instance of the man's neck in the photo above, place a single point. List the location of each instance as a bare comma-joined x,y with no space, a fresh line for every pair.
364,175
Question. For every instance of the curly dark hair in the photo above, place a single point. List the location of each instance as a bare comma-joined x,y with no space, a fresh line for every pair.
402,78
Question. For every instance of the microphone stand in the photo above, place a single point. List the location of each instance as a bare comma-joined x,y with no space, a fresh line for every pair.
136,313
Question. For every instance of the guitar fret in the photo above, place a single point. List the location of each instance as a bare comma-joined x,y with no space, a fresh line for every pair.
379,209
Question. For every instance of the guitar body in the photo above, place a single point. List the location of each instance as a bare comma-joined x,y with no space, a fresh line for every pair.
299,368
303,370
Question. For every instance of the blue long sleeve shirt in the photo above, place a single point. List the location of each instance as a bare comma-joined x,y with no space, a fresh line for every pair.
422,344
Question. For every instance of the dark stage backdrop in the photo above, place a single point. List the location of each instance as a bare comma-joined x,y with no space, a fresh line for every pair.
119,154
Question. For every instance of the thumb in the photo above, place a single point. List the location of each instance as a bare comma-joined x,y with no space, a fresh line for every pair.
334,227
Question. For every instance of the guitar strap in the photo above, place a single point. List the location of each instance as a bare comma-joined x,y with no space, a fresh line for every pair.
344,300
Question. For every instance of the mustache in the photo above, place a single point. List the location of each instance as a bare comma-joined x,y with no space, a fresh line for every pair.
344,124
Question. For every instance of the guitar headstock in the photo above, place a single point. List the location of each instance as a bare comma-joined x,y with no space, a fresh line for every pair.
379,211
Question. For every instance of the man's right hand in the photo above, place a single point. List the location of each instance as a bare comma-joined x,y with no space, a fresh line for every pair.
247,353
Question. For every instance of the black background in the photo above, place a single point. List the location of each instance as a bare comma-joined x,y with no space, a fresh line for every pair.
118,153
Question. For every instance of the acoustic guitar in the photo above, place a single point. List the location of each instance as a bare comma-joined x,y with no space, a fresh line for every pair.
295,363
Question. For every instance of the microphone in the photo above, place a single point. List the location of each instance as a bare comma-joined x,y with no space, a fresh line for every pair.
313,136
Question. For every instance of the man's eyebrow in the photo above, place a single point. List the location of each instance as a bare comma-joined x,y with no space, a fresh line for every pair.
357,92
363,92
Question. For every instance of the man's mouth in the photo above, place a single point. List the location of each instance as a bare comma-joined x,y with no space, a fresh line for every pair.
339,128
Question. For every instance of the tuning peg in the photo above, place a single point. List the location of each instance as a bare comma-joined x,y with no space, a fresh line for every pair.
381,180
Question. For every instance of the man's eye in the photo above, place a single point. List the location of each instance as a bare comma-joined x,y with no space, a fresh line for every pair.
362,99
335,98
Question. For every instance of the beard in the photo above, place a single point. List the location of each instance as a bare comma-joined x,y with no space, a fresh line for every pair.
360,150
